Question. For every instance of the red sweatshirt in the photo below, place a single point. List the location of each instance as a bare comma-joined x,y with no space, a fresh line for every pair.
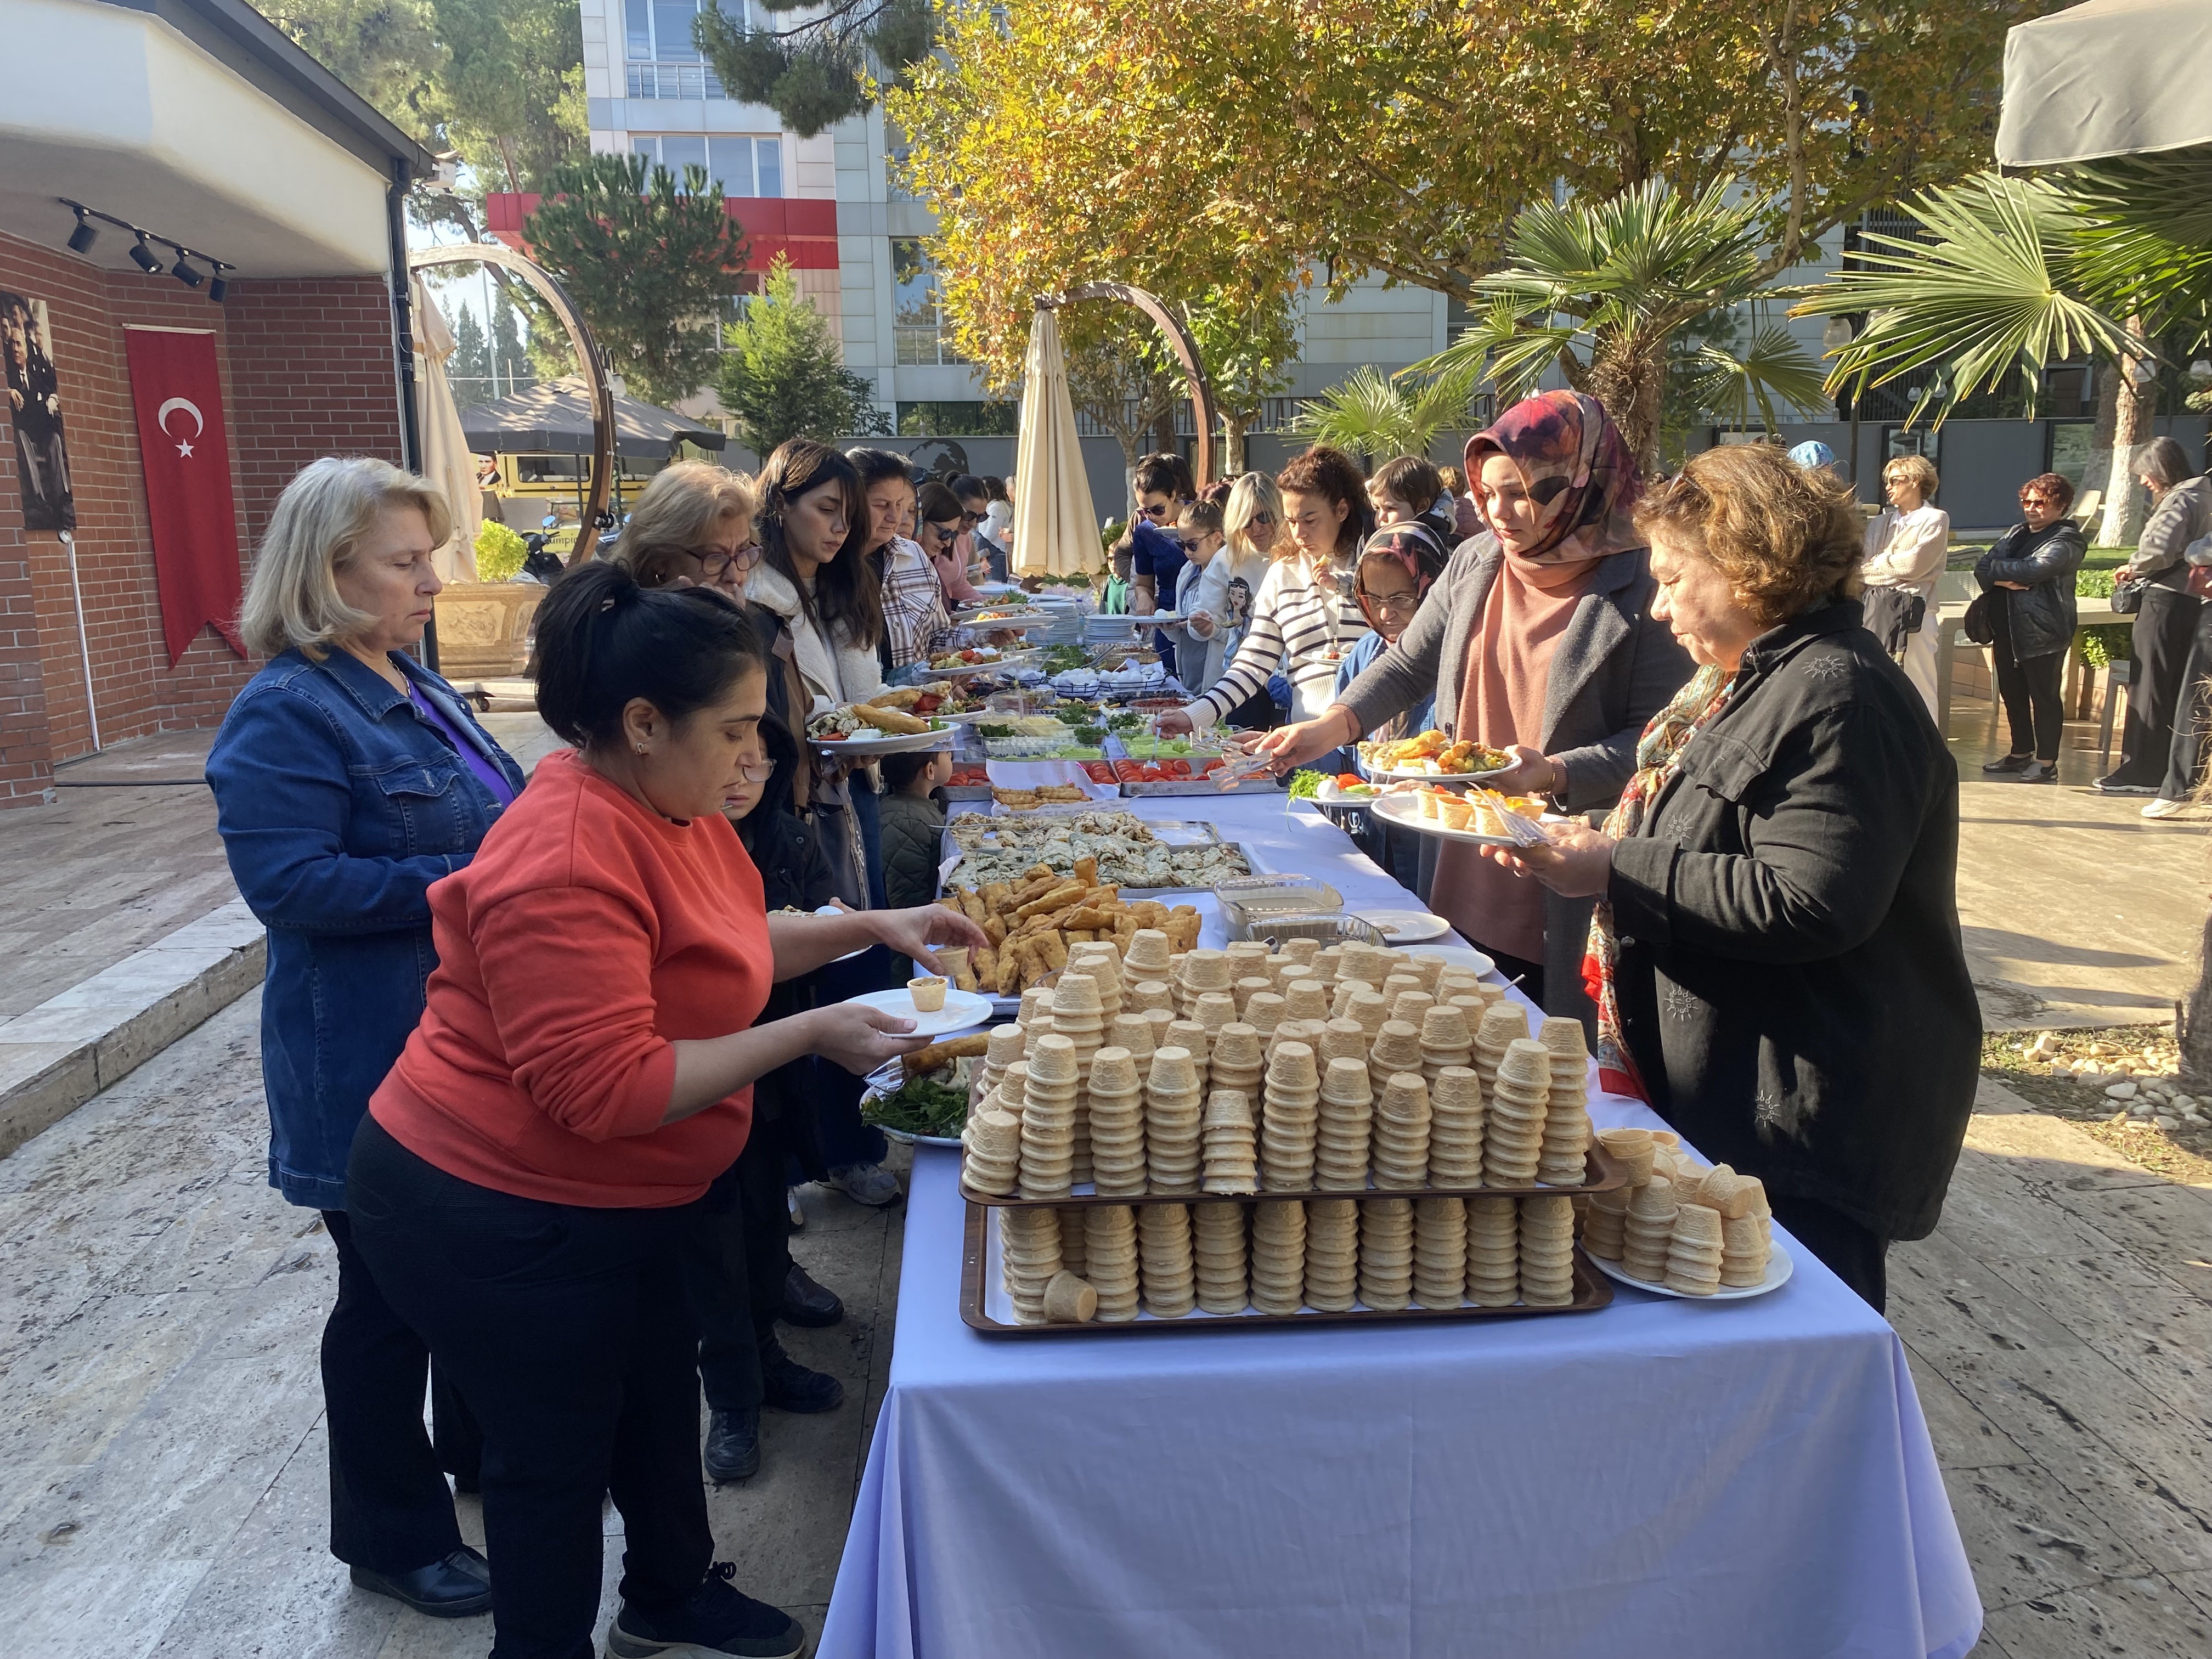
586,935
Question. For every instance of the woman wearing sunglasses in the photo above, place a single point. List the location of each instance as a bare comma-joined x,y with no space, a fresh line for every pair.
2028,579
943,532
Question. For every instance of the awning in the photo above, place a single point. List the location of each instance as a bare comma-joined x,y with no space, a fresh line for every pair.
2106,78
1056,529
556,418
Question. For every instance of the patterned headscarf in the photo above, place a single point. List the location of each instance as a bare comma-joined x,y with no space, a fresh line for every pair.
1414,546
1577,465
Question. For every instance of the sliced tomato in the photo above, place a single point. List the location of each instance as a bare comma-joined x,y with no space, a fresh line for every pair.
1349,779
1175,769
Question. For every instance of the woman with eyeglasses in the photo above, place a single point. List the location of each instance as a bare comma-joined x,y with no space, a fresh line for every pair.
524,1183
691,526
2028,579
1304,611
1543,644
2166,629
943,525
1400,565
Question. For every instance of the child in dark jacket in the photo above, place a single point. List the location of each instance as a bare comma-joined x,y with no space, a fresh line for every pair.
914,825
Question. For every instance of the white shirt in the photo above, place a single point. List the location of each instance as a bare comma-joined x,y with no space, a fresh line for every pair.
1907,549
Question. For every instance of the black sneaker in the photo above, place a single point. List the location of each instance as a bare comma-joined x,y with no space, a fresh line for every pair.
733,1444
2114,784
718,1618
2009,764
790,1387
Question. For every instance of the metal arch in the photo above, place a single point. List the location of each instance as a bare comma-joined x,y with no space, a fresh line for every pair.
1179,337
586,351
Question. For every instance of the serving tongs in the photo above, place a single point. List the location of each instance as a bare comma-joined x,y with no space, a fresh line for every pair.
1525,830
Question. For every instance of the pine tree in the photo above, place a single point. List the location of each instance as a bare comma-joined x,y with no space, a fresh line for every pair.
782,375
469,371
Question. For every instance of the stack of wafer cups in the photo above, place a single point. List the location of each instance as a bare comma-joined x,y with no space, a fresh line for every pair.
1695,1250
1332,1255
1114,1104
1513,1126
1411,1005
1079,1014
1289,1123
1230,1145
1567,1114
1324,961
1446,1040
1071,1238
1454,982
1396,982
1439,1251
1194,1039
1265,1012
1109,1260
1249,986
1174,1119
1244,953
1396,1047
1308,1031
1503,1025
1148,957
1633,1150
1341,993
1429,966
1548,1251
1159,1019
1288,973
1605,1223
1304,953
1367,1007
1146,994
992,1161
1049,1108
1400,1147
1493,1252
1344,1127
1134,1033
1212,1011
1306,999
1029,1241
1237,1064
1648,1232
1342,1039
1747,1242
1203,970
1456,1125
1165,1272
1103,963
1276,1262
1008,1044
1013,1091
1217,1246
1037,1000
1386,1252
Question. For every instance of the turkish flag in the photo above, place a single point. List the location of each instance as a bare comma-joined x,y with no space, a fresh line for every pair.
185,450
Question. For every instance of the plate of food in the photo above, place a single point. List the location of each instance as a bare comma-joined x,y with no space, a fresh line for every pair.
1011,616
956,1009
1433,755
867,728
1455,816
1778,1269
979,660
1345,789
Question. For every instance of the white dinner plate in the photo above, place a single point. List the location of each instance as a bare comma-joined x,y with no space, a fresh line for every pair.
1405,811
1401,775
1021,620
891,743
1461,955
1778,1268
1405,927
962,1010
1329,795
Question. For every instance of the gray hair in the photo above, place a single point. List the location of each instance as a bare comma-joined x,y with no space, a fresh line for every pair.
292,600
2164,462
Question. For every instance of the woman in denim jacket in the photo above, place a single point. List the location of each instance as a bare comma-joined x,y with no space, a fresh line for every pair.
348,779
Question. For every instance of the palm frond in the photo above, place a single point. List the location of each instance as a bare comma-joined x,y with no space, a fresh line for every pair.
1365,413
1994,293
1511,345
1774,365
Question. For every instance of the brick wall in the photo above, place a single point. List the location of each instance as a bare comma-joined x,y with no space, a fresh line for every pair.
307,371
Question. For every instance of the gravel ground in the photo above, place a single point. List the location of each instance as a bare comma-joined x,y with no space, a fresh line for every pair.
2119,1084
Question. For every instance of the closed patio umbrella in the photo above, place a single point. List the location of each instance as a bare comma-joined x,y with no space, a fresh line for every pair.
447,462
2106,78
1055,530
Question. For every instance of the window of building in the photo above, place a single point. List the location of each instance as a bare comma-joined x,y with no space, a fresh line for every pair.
975,419
742,166
664,60
919,330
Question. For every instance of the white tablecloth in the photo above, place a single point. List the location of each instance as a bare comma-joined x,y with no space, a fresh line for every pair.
1661,1478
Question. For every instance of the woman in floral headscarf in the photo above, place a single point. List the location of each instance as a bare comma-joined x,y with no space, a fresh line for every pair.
1544,645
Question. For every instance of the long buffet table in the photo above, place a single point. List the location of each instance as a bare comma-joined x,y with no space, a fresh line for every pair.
1740,1480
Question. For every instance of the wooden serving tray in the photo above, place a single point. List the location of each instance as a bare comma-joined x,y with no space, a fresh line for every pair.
1601,1173
1593,1291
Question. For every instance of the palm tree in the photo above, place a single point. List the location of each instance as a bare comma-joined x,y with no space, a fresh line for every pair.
1601,289
1371,417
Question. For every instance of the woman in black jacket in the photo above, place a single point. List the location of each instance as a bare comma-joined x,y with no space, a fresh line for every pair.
2029,577
1776,955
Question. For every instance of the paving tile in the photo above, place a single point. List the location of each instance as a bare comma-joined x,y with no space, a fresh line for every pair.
2029,1537
2144,1617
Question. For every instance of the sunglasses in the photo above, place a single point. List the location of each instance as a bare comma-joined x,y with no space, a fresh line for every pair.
943,533
2036,501
1157,514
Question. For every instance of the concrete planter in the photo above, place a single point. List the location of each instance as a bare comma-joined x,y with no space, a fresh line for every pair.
483,628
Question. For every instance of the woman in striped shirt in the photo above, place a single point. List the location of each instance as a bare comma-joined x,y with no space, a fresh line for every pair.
1304,618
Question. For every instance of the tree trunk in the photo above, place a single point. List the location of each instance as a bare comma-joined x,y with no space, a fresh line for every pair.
2192,1022
2131,411
1232,445
2099,471
1631,387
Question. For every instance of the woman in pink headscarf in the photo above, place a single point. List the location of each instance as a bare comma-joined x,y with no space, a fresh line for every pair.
1539,639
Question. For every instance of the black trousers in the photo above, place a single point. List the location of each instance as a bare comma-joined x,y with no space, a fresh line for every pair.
2192,715
1854,1253
567,1330
737,1254
2158,646
2030,690
391,1510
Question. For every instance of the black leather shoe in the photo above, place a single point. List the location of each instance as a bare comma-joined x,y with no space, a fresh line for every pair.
733,1444
805,1303
458,1587
792,1388
2009,764
2038,772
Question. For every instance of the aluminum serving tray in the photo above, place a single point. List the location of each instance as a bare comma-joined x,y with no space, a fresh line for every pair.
978,1254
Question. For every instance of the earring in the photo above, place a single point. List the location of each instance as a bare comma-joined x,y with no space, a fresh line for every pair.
640,749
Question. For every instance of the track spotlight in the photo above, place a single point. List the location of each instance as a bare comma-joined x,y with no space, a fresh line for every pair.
81,239
143,257
189,276
218,287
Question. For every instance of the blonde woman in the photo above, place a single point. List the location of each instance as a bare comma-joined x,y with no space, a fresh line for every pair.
347,778
1905,549
692,526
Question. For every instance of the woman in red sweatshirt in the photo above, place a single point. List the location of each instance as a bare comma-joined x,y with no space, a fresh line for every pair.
583,1070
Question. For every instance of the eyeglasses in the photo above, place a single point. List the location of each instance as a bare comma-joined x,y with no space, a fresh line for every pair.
713,563
759,771
1390,601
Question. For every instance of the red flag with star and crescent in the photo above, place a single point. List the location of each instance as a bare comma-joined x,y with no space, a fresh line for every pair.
176,390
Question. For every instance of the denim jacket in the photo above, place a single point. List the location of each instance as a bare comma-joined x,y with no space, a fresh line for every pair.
339,805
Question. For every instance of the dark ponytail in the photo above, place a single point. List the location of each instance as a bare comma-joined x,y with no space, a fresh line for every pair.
602,640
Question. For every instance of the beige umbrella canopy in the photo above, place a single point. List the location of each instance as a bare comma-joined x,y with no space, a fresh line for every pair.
2106,78
1055,528
447,462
